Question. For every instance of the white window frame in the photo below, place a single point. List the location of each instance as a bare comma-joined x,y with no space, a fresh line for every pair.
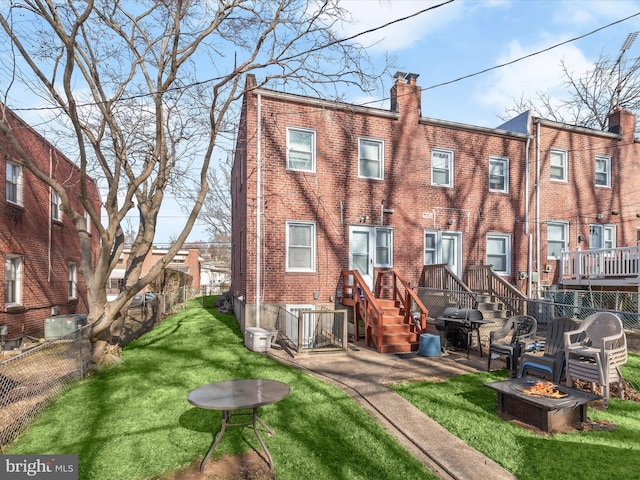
87,222
506,253
564,241
431,251
15,262
56,206
15,181
72,281
607,233
295,164
311,247
600,159
375,142
445,156
563,155
381,234
504,163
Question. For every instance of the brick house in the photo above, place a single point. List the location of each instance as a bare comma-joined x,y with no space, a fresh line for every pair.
321,186
39,245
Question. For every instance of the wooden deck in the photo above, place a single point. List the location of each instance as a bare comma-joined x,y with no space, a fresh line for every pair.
615,267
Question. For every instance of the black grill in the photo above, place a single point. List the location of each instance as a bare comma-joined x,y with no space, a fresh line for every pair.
467,315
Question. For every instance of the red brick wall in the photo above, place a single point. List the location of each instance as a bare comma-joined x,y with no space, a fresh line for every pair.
46,246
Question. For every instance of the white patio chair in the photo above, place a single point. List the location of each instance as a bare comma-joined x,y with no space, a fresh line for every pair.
597,355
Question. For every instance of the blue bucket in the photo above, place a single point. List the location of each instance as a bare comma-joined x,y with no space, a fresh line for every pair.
429,345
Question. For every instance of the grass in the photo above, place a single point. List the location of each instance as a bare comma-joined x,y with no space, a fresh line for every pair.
468,409
134,422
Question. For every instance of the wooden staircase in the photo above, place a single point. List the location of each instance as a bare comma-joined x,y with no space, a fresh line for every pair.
395,335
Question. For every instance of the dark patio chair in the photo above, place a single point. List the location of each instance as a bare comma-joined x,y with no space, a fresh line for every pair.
551,363
512,339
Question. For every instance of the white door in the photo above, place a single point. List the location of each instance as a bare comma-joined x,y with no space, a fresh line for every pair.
361,248
443,247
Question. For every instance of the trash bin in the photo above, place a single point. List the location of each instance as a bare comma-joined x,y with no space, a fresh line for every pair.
429,345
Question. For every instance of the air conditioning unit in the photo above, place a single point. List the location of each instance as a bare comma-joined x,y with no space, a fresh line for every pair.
61,325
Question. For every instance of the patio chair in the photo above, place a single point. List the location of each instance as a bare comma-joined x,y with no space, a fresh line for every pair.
510,340
551,362
597,355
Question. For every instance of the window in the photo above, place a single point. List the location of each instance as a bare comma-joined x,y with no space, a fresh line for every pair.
72,282
301,149
384,247
371,155
442,167
499,253
430,248
301,247
87,222
499,174
56,210
603,171
558,165
14,183
557,234
13,280
602,236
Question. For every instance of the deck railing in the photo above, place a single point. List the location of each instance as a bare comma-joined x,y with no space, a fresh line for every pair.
483,279
600,263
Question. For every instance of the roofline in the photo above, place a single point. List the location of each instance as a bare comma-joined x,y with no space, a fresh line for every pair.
576,128
472,128
331,104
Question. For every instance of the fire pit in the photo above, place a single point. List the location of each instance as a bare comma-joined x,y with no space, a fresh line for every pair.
542,404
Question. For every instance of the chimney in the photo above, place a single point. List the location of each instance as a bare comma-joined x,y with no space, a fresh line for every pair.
622,122
406,96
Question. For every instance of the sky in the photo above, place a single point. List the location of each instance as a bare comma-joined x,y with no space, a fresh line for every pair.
461,38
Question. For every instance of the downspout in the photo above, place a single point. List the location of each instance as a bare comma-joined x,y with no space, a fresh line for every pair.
527,229
49,232
537,186
258,209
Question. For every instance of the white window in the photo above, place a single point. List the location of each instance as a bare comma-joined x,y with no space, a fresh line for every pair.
371,158
13,280
442,167
87,222
557,238
56,207
430,248
499,253
72,282
499,174
384,247
14,183
301,149
602,236
301,247
558,165
603,171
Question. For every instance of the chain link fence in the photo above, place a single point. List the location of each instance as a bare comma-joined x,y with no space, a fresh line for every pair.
30,379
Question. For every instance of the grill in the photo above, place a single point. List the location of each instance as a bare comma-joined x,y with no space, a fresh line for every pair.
458,325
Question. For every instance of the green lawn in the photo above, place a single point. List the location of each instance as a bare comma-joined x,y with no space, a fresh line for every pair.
134,421
468,409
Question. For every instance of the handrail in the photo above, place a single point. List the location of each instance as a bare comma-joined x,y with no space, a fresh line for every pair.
365,304
406,298
440,277
601,262
482,279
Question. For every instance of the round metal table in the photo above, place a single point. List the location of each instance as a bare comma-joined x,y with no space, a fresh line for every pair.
233,395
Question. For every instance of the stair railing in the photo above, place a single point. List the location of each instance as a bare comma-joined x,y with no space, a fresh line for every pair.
412,307
365,304
482,279
440,277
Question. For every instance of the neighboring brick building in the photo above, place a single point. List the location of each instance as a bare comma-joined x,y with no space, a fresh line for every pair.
344,187
39,245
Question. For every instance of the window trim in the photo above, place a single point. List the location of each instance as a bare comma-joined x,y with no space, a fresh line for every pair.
378,235
449,166
72,281
506,254
607,159
18,183
312,168
56,207
505,162
603,227
565,164
565,231
17,291
380,144
312,247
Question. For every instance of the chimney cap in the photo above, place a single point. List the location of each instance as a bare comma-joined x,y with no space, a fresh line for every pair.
412,76
400,75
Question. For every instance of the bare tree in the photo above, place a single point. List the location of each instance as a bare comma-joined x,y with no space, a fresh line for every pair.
590,97
145,90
